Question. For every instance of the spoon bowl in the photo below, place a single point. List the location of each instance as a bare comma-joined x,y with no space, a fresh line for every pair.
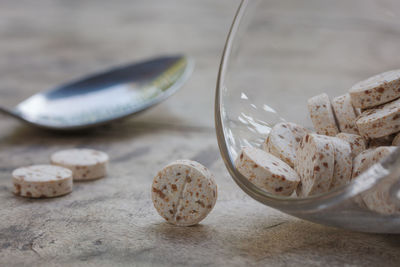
106,96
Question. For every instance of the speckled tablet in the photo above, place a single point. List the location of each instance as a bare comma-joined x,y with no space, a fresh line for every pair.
85,164
42,181
184,192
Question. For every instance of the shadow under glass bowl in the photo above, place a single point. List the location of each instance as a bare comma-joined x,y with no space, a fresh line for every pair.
277,55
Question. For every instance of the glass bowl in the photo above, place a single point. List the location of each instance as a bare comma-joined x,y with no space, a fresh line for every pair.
277,55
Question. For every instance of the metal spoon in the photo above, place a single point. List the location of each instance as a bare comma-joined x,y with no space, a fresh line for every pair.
106,96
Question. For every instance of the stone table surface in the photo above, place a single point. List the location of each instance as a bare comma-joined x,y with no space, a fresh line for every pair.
111,221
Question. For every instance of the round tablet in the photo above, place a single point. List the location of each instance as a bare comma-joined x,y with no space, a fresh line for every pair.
357,143
376,90
343,162
322,116
380,121
267,171
345,114
315,160
184,192
85,164
41,181
369,157
283,141
377,198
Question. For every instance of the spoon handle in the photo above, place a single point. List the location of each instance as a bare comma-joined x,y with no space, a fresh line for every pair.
7,112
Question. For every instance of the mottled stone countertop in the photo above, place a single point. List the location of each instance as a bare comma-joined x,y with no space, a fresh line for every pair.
112,221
